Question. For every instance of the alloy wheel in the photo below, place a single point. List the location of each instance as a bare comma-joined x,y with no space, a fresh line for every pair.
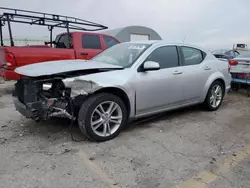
216,96
106,118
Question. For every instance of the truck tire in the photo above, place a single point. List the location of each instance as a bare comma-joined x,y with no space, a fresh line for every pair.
102,117
214,96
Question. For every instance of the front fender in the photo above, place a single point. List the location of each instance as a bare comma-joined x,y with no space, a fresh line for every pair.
211,79
88,87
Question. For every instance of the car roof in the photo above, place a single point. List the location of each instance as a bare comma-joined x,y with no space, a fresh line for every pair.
163,42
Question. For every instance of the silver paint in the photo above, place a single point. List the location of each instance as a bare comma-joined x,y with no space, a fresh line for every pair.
159,90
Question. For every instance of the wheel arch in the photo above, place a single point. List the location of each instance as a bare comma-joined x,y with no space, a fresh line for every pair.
223,83
117,92
218,76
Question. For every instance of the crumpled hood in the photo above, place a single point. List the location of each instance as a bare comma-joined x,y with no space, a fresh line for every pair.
61,66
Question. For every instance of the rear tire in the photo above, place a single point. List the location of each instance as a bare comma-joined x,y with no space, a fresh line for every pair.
235,86
214,96
95,119
248,91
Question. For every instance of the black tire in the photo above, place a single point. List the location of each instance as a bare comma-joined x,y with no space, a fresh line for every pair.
86,110
235,86
248,91
207,103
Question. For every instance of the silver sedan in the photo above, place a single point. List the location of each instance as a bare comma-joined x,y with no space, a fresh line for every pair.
125,82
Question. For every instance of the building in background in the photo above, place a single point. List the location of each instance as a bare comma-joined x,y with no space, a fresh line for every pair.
124,34
240,47
133,33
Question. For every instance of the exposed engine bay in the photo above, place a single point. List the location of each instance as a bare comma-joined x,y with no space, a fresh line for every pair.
44,98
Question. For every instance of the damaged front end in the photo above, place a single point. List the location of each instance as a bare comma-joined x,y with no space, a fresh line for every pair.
41,99
56,88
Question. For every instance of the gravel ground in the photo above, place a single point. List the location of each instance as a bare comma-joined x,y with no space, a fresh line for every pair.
162,152
6,87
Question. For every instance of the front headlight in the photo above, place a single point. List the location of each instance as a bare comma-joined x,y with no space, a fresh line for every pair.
79,87
47,86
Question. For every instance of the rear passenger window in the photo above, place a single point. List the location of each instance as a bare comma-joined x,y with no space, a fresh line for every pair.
192,56
91,42
166,56
109,41
64,41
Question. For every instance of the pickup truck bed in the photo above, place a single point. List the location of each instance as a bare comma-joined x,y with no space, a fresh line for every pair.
20,56
84,45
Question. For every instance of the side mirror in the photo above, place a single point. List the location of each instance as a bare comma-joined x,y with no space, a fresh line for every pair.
151,65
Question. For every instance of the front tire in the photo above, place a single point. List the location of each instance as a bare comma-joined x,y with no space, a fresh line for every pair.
102,117
214,96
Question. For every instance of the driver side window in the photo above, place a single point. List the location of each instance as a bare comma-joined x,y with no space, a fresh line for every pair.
166,56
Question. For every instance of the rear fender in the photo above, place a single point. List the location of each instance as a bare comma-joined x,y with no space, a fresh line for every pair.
211,79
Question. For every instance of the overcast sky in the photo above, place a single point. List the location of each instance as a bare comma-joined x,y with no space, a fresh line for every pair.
208,23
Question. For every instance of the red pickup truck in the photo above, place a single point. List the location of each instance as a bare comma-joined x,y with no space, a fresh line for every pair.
76,45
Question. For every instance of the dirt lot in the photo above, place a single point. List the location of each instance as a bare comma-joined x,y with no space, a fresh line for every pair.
186,148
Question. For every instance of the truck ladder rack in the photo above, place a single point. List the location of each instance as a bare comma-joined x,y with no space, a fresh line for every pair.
44,19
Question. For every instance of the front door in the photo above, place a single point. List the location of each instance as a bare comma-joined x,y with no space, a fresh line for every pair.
159,89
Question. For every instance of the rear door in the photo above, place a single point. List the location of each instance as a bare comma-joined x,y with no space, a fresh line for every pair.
91,46
196,72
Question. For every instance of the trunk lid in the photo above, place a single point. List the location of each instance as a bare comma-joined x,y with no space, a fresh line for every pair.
240,65
61,66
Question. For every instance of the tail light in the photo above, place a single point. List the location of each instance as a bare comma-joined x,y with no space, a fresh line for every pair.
10,59
229,67
233,63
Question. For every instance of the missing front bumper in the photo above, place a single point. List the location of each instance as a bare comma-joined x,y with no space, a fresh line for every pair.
34,110
37,111
20,107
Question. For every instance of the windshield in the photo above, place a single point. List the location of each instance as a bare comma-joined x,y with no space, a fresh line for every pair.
123,54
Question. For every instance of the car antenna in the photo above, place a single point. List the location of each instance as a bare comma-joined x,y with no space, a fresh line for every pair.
184,39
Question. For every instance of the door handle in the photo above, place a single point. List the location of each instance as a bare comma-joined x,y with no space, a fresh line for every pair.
84,53
177,72
207,68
